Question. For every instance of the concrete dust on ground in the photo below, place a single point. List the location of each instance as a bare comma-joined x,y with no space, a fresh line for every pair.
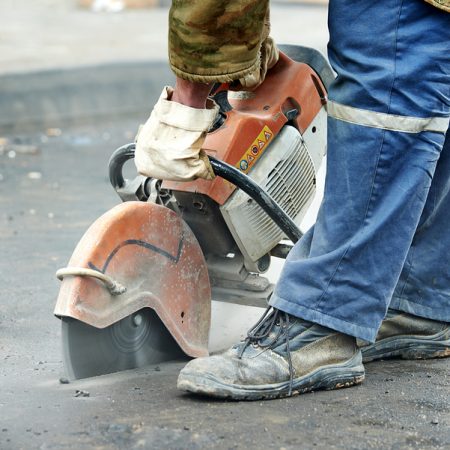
402,404
54,184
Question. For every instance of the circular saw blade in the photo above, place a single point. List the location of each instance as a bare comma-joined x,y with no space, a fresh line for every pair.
135,341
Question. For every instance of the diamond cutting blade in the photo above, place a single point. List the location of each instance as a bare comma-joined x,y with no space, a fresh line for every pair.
135,341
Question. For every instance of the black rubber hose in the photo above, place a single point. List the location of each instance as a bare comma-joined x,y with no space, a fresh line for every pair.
224,170
264,200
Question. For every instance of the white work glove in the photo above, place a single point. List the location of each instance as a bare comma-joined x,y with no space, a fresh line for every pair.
268,58
169,145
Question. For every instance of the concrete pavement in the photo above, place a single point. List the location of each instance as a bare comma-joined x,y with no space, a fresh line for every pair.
47,200
53,184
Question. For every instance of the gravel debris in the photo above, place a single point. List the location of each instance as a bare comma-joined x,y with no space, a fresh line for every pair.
79,393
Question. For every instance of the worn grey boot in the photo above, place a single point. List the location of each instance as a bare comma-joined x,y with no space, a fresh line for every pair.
403,335
282,356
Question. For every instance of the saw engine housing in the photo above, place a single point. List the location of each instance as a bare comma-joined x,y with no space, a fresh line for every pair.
277,136
287,172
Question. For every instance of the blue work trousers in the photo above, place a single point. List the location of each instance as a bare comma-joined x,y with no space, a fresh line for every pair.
382,236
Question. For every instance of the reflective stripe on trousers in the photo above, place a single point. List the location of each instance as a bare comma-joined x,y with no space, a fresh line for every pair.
381,237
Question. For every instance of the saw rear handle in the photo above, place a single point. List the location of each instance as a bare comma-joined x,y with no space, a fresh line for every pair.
137,188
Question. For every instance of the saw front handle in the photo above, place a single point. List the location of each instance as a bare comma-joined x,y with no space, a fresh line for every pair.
128,190
116,163
137,188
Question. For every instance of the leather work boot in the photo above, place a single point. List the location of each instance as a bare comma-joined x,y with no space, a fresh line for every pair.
403,335
281,356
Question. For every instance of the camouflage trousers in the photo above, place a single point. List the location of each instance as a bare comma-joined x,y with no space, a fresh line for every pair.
217,40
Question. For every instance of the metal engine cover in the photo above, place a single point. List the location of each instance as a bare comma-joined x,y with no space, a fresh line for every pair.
287,171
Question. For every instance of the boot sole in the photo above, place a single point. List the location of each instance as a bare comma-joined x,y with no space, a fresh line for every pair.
326,378
409,347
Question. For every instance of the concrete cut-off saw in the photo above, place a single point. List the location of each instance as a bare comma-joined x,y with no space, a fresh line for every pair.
138,288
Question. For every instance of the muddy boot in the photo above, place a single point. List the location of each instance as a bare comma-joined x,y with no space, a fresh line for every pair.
282,356
403,335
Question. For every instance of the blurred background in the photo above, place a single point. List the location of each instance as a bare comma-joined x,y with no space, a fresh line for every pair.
64,33
111,37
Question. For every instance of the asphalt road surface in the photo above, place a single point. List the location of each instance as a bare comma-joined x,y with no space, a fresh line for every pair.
51,189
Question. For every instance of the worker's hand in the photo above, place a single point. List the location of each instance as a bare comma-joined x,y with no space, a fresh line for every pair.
269,57
169,145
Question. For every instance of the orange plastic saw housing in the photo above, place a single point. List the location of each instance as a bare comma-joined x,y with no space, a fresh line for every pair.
256,118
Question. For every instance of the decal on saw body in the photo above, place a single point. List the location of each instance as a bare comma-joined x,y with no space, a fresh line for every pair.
255,150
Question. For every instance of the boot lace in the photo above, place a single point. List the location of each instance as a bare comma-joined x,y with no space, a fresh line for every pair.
272,319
